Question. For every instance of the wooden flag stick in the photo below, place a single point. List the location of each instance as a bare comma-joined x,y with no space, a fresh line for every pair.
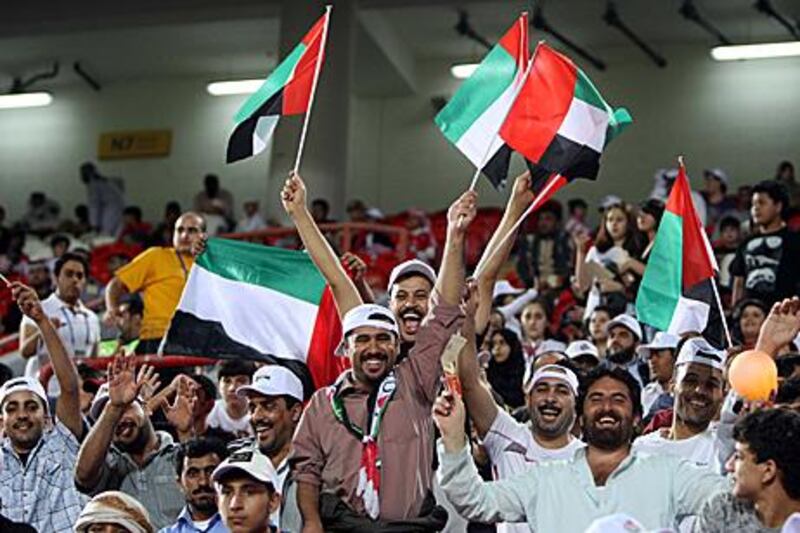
5,280
317,68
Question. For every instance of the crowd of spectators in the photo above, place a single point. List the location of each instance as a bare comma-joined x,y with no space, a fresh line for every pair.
561,411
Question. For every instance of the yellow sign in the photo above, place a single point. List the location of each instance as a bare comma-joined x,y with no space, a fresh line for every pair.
134,144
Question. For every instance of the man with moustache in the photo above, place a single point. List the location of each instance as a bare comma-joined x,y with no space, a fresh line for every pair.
38,449
275,404
624,337
363,454
604,478
699,392
195,463
124,452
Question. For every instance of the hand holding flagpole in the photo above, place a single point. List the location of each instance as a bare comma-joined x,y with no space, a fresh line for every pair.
317,69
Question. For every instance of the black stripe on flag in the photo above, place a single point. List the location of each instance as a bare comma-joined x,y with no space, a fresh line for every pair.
190,335
714,332
240,144
497,167
570,159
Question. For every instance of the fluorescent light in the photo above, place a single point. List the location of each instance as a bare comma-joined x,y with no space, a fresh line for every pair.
224,88
756,51
12,101
463,71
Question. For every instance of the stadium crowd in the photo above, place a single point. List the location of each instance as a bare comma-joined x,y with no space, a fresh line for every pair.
511,389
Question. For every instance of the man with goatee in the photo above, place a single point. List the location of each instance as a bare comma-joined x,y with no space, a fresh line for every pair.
604,478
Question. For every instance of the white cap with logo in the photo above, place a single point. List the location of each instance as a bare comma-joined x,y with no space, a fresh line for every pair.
20,384
502,287
251,462
661,341
274,380
628,322
550,346
412,266
698,350
582,347
558,372
371,315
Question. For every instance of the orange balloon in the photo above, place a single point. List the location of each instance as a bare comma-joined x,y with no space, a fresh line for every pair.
753,375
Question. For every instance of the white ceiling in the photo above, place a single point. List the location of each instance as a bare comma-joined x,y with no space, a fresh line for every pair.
216,39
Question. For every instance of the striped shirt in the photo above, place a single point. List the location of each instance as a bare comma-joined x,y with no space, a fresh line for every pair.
42,491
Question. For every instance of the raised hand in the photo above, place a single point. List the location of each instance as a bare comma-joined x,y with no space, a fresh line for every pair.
199,245
521,193
122,386
181,412
781,326
462,212
354,265
28,301
293,195
449,415
148,381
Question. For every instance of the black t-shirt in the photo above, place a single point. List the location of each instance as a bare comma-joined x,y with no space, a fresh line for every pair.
769,264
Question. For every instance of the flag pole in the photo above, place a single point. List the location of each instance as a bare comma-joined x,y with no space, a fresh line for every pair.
722,312
317,69
517,90
5,280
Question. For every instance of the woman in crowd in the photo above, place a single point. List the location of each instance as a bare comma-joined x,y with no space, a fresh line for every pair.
534,319
747,318
506,367
596,328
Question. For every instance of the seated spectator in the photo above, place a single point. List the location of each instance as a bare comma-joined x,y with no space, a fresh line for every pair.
252,219
545,256
748,315
116,512
715,193
124,452
784,175
363,241
81,225
134,230
534,321
162,235
213,199
730,237
195,464
506,367
422,242
647,221
129,324
764,267
766,476
624,337
660,357
596,329
249,492
230,412
42,216
105,198
321,211
39,449
584,355
78,325
39,278
577,223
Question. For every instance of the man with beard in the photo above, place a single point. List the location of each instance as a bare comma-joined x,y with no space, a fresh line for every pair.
660,357
699,392
195,462
624,336
550,395
604,478
410,286
124,452
38,453
275,404
363,453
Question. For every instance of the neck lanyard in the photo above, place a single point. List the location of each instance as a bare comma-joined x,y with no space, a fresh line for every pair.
377,403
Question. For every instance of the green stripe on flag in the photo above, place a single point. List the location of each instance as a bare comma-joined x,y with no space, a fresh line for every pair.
276,81
476,94
586,91
287,271
661,285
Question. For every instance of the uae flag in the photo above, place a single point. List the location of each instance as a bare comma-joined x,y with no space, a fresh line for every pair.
473,116
260,303
677,292
287,91
560,122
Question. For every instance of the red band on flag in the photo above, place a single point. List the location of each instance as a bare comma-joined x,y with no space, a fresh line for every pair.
322,362
297,93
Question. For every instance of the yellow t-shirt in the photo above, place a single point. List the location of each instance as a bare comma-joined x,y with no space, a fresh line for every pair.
158,275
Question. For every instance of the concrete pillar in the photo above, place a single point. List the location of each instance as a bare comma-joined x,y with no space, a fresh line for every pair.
324,163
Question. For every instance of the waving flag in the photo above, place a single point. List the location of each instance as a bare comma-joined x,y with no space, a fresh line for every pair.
676,293
256,302
472,118
287,91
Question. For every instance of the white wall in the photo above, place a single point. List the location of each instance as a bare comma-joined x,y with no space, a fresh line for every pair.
41,148
741,116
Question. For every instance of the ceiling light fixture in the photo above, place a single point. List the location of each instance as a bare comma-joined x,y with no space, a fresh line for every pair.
20,100
756,51
226,88
463,70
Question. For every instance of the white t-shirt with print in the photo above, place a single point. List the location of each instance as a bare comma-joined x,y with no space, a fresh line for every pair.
219,418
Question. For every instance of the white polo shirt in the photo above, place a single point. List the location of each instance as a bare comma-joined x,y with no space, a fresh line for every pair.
79,331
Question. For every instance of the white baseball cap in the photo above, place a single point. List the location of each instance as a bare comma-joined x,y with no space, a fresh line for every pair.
550,346
661,341
628,322
23,384
251,462
372,315
718,173
558,372
609,200
698,350
504,288
412,266
274,380
582,347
